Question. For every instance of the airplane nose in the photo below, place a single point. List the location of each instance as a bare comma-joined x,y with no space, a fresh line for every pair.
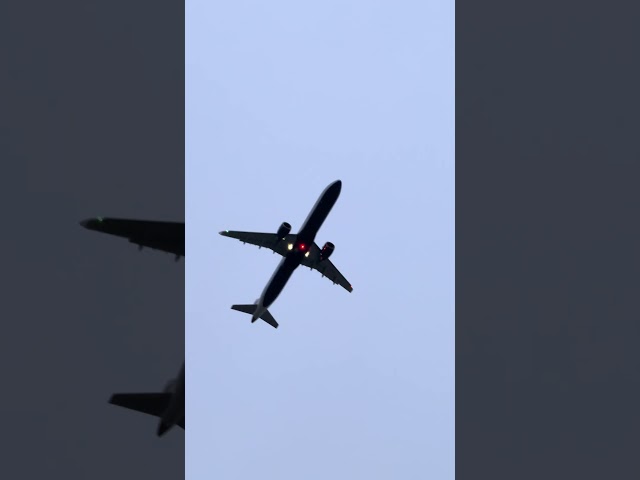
84,223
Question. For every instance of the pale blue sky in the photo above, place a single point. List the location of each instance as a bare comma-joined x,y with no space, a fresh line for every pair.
283,98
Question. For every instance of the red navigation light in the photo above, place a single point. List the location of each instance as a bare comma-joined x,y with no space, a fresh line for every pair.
302,246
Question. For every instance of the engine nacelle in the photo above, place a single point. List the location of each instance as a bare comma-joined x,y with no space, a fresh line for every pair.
327,250
283,231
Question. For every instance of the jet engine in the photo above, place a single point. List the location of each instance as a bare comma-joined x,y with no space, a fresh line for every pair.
327,250
283,231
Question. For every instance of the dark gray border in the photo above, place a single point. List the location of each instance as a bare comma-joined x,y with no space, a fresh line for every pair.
92,123
547,264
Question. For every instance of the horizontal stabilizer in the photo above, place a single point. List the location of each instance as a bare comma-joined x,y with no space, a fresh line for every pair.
155,404
250,309
267,317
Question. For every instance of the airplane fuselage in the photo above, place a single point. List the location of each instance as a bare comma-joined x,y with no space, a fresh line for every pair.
303,243
175,411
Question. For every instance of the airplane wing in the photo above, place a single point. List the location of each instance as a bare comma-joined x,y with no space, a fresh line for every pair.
266,240
326,268
165,236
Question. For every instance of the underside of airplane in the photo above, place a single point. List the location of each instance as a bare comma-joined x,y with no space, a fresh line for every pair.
295,250
283,242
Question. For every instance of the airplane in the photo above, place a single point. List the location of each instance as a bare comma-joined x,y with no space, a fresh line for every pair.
168,405
168,237
297,249
165,236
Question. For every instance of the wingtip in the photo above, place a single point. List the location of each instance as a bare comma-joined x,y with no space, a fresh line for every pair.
91,223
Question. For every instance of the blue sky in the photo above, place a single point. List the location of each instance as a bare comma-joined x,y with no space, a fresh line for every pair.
282,99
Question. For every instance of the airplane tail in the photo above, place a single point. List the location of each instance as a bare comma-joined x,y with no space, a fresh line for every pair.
155,404
251,309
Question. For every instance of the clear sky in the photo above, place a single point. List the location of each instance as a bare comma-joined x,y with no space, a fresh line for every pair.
282,99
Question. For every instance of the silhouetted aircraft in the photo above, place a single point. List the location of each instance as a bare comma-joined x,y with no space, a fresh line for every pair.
168,405
168,237
165,236
297,249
